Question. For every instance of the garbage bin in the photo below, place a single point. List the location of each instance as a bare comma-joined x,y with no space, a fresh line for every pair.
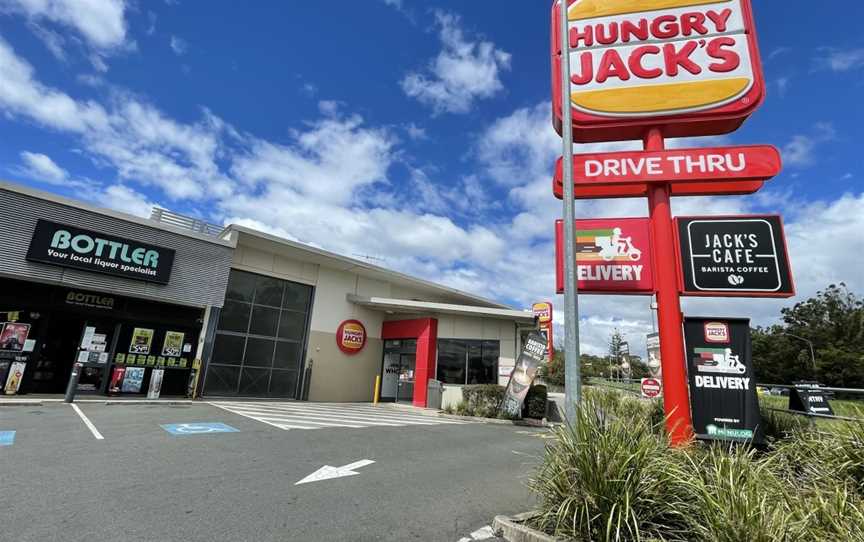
434,391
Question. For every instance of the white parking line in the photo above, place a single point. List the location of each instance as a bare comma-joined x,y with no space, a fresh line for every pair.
87,422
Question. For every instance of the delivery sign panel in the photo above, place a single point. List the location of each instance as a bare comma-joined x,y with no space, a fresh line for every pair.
690,67
613,256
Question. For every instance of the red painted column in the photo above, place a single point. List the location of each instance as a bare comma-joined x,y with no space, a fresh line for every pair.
676,400
424,367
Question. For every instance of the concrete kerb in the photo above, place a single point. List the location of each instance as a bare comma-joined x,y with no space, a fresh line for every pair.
43,402
513,529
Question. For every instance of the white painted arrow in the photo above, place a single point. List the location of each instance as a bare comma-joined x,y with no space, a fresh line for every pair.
327,472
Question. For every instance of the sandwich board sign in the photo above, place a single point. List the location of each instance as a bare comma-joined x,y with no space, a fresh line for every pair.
809,397
722,386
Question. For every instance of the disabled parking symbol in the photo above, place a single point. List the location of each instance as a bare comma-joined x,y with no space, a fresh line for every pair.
7,438
198,428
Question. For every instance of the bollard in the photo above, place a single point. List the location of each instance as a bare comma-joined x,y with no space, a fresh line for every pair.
377,389
73,382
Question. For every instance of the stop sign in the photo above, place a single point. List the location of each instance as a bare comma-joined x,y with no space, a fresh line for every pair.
651,387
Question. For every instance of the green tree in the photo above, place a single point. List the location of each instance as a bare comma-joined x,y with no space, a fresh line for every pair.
833,321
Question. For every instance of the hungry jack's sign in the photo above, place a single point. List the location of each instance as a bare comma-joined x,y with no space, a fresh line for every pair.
690,66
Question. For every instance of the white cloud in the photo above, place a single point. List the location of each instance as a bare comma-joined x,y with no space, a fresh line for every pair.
102,23
417,133
464,70
179,46
839,60
122,198
53,41
40,166
800,151
128,134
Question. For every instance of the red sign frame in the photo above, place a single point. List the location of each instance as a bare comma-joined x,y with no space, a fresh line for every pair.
635,235
340,337
707,120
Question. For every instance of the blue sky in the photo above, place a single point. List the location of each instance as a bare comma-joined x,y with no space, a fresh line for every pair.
416,133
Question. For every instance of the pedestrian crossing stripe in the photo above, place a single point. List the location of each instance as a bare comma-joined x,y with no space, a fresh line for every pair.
295,415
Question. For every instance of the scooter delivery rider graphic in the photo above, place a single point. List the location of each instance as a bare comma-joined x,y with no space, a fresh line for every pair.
617,245
718,360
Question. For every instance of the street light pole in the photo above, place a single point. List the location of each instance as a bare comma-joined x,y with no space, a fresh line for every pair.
572,372
809,344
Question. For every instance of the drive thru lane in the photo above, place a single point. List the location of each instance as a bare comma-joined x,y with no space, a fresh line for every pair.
142,483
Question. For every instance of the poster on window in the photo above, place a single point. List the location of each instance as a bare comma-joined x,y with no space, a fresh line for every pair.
141,340
173,345
16,374
533,354
132,380
155,383
13,336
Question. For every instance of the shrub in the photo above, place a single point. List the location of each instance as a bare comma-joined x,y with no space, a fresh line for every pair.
482,399
607,477
535,403
780,425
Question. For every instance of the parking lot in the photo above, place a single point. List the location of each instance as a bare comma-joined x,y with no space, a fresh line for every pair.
205,472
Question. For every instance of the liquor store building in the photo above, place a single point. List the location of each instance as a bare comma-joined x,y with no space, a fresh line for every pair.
226,312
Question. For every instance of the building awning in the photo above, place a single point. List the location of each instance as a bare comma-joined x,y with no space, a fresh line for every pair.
391,305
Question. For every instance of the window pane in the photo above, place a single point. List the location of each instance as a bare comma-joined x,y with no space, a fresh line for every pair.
451,361
221,380
287,355
482,362
259,352
292,325
228,349
235,316
254,381
283,383
264,321
240,286
296,296
268,291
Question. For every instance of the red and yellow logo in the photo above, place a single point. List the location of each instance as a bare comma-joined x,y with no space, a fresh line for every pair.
351,336
644,59
543,311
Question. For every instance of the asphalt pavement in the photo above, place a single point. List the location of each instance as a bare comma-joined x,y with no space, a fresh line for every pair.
200,472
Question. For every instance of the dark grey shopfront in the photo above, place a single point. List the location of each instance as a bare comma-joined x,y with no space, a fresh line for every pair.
91,285
260,339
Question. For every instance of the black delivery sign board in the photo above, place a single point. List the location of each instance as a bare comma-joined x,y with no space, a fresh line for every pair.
67,246
734,256
723,396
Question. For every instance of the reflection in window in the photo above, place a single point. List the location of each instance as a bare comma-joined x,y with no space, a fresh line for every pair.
464,361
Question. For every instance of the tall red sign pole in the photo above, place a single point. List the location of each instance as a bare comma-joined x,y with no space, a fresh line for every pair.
676,400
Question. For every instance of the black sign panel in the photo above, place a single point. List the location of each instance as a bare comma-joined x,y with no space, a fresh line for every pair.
67,246
722,387
809,397
729,256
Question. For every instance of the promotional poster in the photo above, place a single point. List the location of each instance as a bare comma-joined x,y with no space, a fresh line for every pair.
141,340
652,344
16,374
173,344
132,380
116,379
532,355
722,386
13,336
155,383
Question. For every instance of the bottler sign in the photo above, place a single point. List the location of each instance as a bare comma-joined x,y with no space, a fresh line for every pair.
613,255
68,246
734,256
690,67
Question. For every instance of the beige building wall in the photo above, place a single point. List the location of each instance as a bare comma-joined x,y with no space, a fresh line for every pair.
337,376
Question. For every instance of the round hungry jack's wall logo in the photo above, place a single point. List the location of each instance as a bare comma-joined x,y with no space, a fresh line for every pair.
351,336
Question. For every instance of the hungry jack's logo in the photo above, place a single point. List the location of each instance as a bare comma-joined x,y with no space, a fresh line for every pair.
351,336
